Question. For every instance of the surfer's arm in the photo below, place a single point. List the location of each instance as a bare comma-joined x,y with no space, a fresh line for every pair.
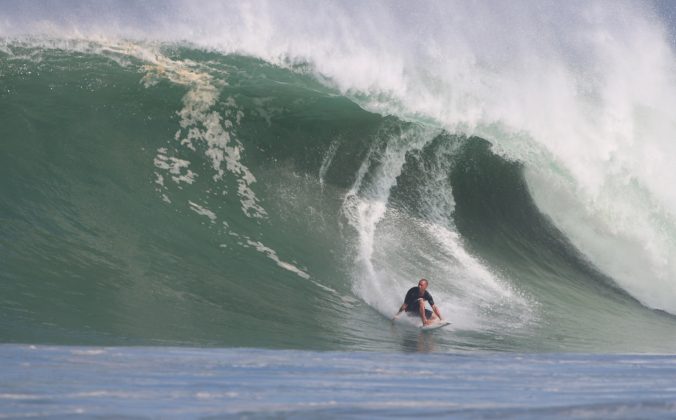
401,309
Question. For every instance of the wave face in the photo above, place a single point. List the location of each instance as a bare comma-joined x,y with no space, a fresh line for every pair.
260,187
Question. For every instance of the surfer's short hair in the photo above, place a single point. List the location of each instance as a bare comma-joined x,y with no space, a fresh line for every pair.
423,280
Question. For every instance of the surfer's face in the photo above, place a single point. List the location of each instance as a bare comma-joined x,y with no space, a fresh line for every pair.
422,284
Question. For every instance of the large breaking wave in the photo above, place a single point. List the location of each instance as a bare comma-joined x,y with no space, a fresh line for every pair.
278,175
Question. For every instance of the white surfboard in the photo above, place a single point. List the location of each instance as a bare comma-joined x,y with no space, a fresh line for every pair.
435,325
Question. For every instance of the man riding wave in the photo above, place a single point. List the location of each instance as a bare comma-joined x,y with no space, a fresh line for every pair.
414,304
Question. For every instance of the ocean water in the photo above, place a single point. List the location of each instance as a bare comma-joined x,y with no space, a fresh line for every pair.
169,382
180,178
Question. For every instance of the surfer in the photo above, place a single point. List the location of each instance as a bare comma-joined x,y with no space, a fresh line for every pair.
414,304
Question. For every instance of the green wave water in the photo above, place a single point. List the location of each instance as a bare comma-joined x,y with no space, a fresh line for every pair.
176,196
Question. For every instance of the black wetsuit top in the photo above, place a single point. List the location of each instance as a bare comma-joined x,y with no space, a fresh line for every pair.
411,299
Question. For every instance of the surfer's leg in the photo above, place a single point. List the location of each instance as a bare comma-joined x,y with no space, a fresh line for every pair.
421,306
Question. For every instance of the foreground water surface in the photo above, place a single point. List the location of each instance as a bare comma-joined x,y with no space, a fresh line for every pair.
148,382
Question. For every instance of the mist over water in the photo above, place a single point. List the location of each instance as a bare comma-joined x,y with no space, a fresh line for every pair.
241,165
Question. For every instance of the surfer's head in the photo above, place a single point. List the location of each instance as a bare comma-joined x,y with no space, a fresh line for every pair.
422,284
